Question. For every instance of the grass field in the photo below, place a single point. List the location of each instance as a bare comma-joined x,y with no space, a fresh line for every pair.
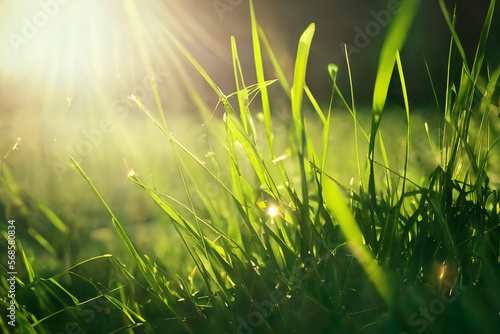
283,215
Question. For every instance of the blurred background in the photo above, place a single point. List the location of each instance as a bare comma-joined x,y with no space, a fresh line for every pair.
67,68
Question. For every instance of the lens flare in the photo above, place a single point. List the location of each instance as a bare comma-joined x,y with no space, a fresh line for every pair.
272,212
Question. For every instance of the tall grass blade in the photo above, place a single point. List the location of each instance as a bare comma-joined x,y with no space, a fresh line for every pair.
451,26
299,79
336,204
394,41
278,71
27,264
146,271
259,68
53,218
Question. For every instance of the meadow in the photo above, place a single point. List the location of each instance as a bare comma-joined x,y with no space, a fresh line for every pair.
268,210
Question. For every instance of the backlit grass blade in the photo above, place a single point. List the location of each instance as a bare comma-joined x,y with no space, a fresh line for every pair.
237,131
297,94
123,235
451,26
259,68
389,231
234,123
336,204
42,241
481,48
193,61
202,165
53,218
332,72
27,264
408,128
177,219
394,41
433,88
469,77
278,71
299,78
181,225
241,92
73,298
315,104
354,115
480,155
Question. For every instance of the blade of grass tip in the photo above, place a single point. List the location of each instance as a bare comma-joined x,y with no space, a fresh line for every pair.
53,218
259,68
56,283
15,147
478,61
394,41
451,26
433,88
95,258
447,110
355,117
299,78
242,93
336,204
407,110
27,264
332,72
127,311
483,39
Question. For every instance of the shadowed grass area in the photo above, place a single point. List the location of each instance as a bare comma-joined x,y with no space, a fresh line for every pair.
275,241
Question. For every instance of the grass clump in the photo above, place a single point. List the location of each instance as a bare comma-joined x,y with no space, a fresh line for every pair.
283,246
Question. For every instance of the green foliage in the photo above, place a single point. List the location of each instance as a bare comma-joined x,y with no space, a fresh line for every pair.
285,247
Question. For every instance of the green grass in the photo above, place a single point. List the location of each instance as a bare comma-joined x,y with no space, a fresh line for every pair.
339,257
